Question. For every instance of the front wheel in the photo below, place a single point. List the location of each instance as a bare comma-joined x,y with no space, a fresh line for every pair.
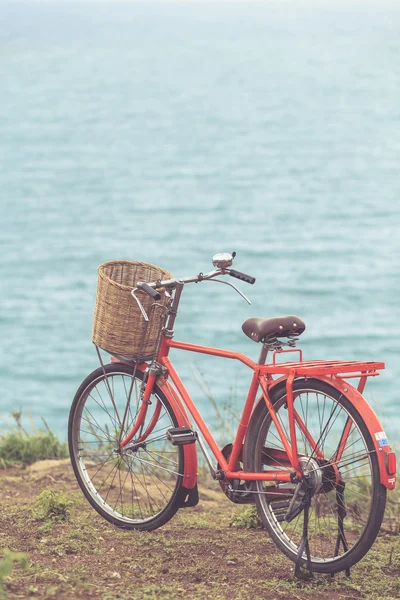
345,475
135,487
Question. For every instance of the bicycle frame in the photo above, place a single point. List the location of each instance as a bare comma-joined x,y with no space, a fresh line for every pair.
228,467
333,372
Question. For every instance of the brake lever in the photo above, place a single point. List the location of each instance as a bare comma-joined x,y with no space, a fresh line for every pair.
231,285
146,318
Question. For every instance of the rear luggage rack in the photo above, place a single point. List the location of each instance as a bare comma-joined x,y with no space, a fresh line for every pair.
338,368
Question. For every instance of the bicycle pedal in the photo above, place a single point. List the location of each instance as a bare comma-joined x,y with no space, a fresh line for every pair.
280,517
282,504
181,436
280,510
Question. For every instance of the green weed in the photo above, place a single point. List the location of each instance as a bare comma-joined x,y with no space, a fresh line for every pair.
51,505
246,518
392,516
7,564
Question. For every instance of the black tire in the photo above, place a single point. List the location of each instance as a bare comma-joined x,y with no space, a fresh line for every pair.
364,495
135,489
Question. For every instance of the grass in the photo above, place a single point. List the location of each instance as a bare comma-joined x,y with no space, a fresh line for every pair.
21,447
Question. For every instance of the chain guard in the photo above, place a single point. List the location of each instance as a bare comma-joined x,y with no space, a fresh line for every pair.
236,491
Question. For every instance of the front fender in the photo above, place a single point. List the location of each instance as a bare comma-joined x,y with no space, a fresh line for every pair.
372,422
189,451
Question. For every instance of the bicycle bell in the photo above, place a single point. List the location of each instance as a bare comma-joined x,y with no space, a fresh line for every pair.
223,260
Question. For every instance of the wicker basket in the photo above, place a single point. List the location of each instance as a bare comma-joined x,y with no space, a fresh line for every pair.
118,324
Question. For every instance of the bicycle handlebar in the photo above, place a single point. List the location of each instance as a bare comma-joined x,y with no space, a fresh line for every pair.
151,287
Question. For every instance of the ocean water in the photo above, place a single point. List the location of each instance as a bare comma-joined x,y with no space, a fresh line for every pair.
167,132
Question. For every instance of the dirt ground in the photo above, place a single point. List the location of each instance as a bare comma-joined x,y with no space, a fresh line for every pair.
196,556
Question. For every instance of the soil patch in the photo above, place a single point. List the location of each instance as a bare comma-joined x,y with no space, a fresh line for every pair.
196,556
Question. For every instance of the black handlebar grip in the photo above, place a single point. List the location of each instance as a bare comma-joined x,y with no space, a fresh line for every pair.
149,291
242,276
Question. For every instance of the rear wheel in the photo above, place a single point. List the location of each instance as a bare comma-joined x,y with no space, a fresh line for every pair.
135,487
326,414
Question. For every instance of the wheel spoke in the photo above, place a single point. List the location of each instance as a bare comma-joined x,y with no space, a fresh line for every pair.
325,417
135,487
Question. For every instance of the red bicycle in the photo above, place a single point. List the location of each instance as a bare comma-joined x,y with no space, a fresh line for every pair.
309,451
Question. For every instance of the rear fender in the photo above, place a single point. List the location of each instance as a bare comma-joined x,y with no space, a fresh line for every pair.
372,422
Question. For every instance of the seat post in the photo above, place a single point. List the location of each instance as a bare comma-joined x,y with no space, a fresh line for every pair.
263,355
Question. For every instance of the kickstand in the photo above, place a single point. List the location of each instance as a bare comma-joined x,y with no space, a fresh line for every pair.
304,540
341,509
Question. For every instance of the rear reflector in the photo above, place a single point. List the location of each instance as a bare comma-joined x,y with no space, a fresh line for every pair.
390,463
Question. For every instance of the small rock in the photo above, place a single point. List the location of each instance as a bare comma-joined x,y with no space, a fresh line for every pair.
115,575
